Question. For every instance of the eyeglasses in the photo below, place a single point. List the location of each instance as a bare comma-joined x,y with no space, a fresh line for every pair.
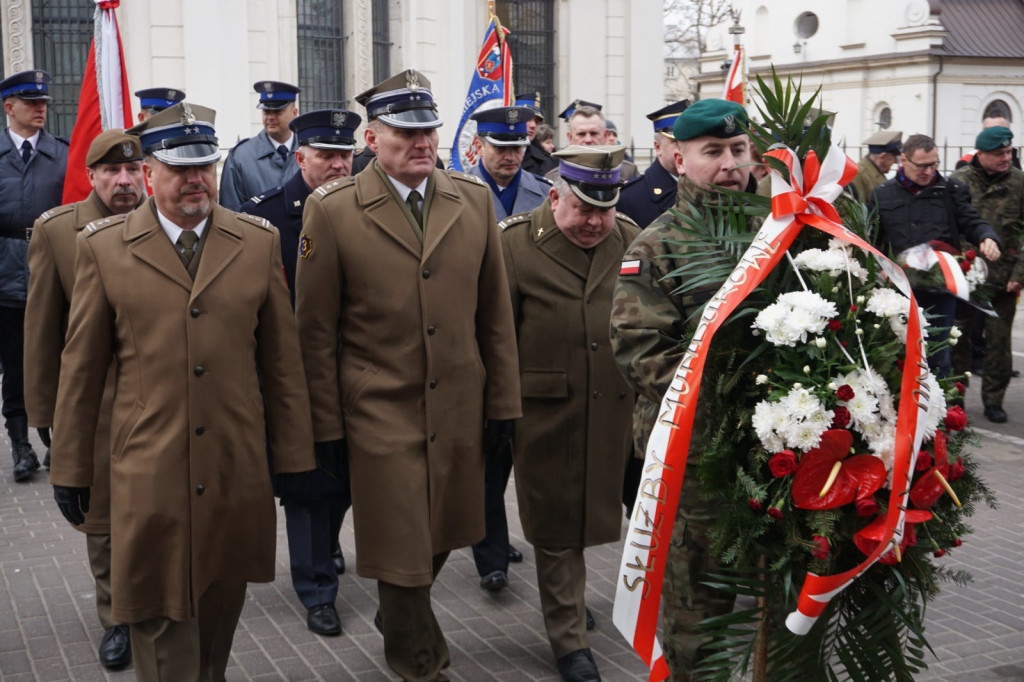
924,166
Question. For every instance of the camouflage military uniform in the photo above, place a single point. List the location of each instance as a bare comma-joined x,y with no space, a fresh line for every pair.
649,335
999,200
868,177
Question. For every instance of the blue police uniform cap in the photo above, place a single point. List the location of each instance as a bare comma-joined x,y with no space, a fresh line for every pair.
275,95
402,101
664,118
159,99
532,103
181,135
26,85
593,173
504,126
577,103
327,128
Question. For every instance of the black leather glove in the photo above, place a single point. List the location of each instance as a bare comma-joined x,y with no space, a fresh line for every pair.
44,435
332,457
72,502
497,434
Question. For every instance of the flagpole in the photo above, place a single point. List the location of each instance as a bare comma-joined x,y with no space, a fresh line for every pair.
737,32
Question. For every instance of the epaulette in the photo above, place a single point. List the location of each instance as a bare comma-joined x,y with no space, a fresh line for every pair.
460,175
255,220
62,139
56,211
239,143
335,185
102,224
541,178
266,195
515,219
619,214
633,180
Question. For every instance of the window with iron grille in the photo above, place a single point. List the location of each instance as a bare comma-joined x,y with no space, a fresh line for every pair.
61,34
532,43
321,47
381,40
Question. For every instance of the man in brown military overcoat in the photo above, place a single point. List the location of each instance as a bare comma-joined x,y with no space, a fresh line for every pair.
571,445
409,347
114,165
190,301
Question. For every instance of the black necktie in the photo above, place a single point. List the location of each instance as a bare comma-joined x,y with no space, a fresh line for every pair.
283,151
187,239
414,206
26,151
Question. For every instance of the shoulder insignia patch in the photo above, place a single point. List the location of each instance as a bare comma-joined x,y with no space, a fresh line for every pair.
305,246
514,219
335,185
460,175
629,268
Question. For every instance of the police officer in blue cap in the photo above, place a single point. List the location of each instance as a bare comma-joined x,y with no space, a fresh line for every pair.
502,135
647,196
154,100
314,513
260,163
32,166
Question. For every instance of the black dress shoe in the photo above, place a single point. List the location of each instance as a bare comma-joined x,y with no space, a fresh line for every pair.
590,620
339,559
46,459
323,620
996,414
514,555
115,648
377,622
579,666
494,581
1015,373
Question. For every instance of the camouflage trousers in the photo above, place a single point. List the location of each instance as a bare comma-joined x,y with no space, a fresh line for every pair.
685,601
998,352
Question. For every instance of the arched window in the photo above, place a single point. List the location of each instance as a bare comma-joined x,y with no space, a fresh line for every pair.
998,108
884,118
806,25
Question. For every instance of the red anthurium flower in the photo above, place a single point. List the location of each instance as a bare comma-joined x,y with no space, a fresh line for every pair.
859,476
868,537
956,470
927,490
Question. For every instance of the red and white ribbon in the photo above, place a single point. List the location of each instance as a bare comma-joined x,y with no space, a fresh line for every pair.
805,200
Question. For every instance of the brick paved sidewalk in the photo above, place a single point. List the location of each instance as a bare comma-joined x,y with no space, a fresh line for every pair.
49,631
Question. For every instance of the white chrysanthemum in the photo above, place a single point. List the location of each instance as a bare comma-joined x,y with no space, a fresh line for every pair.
801,403
764,421
871,408
796,421
977,274
888,303
793,316
882,442
835,261
805,435
936,407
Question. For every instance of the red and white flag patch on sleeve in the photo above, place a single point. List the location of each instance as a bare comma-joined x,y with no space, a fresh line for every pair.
629,267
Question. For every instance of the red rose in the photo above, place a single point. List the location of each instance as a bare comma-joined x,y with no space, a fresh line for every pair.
956,418
853,308
821,548
775,513
956,470
782,463
841,418
960,388
834,325
924,461
970,254
755,505
965,265
940,553
957,542
845,392
867,507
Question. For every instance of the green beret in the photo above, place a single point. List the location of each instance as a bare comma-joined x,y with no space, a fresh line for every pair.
113,146
992,138
714,117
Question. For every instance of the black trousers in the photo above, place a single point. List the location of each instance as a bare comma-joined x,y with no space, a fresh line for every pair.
12,348
491,553
313,527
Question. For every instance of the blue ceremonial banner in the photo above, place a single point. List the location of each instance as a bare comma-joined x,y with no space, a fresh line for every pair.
491,86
